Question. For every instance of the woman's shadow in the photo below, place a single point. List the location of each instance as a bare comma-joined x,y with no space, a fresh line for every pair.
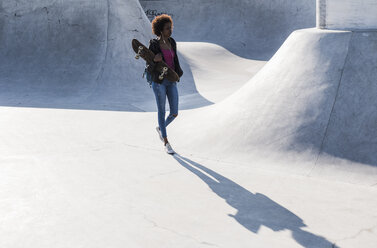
254,210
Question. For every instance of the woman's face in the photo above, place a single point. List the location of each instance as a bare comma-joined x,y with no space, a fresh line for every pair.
167,30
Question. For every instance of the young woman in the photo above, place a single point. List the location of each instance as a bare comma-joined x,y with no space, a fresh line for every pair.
165,49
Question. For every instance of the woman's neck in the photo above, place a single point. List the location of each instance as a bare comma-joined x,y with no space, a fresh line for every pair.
163,39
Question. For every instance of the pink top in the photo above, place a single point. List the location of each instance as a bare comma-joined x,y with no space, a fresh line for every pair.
169,57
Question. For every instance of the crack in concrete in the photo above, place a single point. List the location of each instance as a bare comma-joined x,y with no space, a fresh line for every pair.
164,173
142,147
103,63
107,41
177,233
358,233
333,106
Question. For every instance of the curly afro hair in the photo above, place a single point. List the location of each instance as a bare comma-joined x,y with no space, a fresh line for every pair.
159,22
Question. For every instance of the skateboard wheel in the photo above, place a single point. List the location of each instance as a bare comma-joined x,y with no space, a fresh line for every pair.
164,70
139,52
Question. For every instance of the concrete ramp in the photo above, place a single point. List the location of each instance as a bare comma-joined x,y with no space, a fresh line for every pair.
310,110
71,54
77,54
313,104
268,154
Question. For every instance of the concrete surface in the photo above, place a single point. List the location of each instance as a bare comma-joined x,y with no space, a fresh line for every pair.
73,54
347,14
251,29
271,152
78,178
310,110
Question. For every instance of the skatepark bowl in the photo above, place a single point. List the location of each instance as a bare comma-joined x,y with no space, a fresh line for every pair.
275,141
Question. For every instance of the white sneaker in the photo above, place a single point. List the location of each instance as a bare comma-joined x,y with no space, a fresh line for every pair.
159,133
168,148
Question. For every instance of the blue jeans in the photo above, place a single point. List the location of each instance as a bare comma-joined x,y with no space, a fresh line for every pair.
169,89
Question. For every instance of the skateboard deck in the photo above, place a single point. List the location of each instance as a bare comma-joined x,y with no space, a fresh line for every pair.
161,68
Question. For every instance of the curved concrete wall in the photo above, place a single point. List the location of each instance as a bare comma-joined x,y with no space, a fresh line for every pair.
77,54
310,110
250,28
63,37
71,53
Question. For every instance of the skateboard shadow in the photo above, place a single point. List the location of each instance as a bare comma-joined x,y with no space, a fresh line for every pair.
254,209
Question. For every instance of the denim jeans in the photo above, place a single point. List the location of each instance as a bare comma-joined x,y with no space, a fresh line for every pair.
169,89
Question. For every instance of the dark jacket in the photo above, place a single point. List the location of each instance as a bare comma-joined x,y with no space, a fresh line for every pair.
154,46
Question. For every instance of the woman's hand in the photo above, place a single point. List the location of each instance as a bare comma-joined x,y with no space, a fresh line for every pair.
157,58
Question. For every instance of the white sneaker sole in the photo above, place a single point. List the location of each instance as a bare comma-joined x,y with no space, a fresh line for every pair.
170,151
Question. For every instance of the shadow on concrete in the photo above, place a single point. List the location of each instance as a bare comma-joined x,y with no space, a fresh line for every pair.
255,210
347,116
75,92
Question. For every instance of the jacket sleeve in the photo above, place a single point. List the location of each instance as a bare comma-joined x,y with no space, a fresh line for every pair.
178,69
152,47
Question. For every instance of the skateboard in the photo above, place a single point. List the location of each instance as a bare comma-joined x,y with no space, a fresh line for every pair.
163,70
